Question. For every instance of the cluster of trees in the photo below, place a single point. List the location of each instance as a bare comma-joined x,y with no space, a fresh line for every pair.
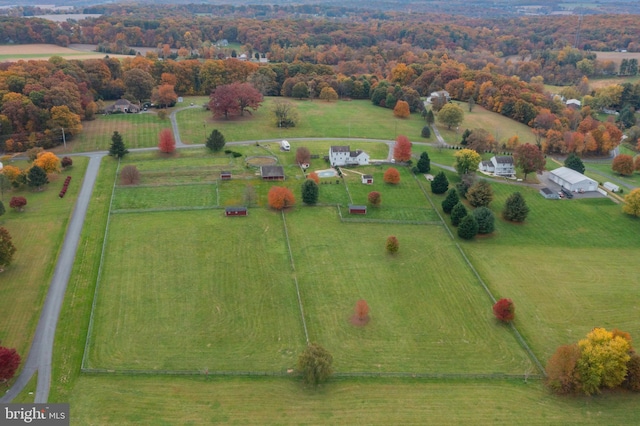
604,359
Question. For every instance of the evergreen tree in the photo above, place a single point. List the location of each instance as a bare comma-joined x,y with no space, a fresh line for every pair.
465,135
627,117
458,212
37,178
451,200
424,163
574,162
2,209
117,148
7,249
430,118
215,142
439,184
515,208
485,219
310,191
426,132
468,227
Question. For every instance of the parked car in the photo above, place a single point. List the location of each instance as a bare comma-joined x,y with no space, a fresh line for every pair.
567,193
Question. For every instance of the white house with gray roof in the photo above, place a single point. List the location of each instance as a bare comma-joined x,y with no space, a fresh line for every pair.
343,156
499,165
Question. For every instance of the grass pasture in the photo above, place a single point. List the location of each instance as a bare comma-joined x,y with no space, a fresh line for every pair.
582,262
216,297
137,130
501,127
428,313
424,318
348,119
37,233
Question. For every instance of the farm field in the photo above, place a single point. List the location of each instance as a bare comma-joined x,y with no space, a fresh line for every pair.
427,327
348,119
13,53
501,127
36,233
137,130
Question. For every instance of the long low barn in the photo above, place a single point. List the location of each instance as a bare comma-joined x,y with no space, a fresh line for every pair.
572,180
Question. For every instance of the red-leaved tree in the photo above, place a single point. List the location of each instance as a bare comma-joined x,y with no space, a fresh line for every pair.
230,99
280,197
392,176
314,177
374,198
529,158
9,363
362,309
393,244
167,143
402,149
18,203
504,310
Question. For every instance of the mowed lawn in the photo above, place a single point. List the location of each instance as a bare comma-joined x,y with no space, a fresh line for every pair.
37,233
137,130
501,127
428,313
200,401
570,267
196,291
341,119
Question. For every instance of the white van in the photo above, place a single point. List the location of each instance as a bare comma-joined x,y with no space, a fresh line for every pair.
284,145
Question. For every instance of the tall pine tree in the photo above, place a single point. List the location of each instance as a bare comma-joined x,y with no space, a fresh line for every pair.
515,208
215,141
117,148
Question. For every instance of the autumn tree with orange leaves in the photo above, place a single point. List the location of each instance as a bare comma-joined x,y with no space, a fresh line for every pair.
280,197
392,176
402,149
401,110
48,162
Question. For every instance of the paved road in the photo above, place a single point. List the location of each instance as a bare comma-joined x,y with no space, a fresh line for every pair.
40,354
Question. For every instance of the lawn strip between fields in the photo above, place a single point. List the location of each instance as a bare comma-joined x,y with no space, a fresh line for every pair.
515,331
295,277
85,355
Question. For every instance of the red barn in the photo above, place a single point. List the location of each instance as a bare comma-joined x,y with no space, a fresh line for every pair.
235,211
225,175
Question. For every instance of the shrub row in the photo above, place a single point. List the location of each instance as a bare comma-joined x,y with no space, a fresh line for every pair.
65,186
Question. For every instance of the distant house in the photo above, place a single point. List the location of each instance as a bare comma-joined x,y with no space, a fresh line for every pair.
574,103
354,209
439,94
367,179
549,194
236,211
225,175
343,156
122,105
272,172
572,181
499,165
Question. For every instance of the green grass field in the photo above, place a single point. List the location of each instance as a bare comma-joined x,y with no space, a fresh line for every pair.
501,127
342,119
177,400
37,233
427,312
137,130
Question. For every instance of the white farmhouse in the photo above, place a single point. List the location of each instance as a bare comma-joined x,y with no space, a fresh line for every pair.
343,156
573,181
499,165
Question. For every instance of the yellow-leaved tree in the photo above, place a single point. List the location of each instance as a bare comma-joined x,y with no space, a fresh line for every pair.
603,360
48,161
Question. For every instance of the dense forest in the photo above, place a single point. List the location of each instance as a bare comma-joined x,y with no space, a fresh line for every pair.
501,64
